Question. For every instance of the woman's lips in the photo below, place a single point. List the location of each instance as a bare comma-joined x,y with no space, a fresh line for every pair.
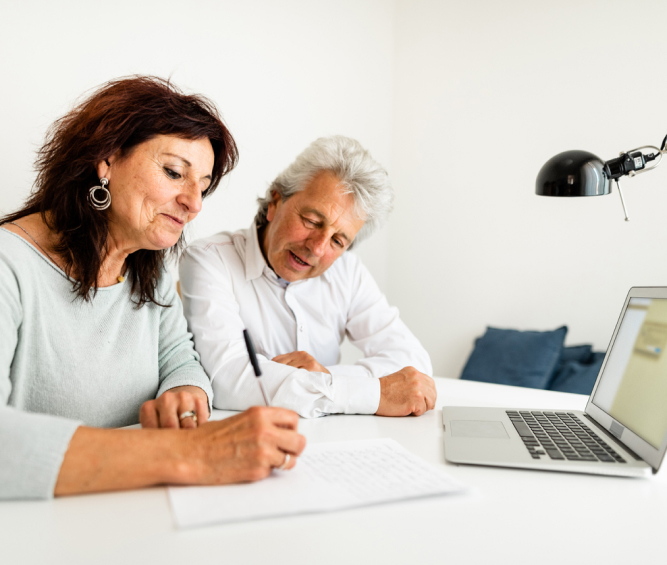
174,219
297,262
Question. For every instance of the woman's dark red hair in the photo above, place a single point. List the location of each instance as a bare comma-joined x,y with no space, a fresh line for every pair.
117,116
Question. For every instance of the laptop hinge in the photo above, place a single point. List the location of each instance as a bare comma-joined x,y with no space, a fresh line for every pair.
613,438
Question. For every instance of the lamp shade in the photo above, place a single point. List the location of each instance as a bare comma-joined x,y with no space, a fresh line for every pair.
573,173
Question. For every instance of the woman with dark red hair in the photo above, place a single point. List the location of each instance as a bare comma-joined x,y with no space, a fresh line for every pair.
92,334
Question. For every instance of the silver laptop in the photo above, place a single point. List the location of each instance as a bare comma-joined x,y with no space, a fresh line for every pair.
623,430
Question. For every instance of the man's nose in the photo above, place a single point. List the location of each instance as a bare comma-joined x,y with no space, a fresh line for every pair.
317,244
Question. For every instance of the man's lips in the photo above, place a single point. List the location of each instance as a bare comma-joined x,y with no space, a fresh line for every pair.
298,261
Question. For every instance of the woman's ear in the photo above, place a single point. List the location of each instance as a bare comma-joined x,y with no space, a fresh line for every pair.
104,167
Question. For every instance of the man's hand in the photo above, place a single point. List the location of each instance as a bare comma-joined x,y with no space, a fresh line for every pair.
165,410
245,447
406,392
300,360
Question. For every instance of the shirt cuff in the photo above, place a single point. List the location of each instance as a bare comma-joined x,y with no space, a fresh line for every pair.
353,395
349,370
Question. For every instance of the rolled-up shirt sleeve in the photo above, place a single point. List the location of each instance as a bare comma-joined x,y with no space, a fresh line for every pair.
32,446
376,329
213,315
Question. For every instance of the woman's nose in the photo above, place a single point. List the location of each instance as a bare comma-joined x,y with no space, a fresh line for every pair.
191,198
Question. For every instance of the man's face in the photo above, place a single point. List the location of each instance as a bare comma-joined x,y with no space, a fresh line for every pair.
308,231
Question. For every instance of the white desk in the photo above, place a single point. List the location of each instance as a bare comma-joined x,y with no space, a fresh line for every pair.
511,516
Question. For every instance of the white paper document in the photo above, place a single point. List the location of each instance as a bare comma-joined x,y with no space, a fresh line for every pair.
328,476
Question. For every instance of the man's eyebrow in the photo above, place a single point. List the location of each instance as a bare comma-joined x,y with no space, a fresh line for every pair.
325,219
186,162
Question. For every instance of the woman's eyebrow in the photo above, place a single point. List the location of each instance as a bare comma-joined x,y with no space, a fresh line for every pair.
209,177
179,157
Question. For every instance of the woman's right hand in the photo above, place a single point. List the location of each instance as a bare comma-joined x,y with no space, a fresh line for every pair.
245,447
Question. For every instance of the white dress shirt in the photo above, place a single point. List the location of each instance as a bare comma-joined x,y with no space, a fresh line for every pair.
227,286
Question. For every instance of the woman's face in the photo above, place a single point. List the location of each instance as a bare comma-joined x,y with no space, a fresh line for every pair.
156,190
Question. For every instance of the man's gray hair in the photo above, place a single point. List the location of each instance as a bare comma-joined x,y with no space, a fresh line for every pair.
358,173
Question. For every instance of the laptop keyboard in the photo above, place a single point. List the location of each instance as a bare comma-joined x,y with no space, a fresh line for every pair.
561,436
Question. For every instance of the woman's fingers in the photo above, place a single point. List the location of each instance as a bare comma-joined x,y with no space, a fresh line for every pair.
291,463
201,408
290,442
185,412
272,431
148,417
170,406
277,449
287,461
167,408
247,446
279,417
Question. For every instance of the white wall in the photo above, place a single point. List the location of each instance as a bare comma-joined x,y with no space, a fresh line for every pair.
463,101
282,72
485,93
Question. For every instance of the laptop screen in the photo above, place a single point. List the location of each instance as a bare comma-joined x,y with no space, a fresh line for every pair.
633,387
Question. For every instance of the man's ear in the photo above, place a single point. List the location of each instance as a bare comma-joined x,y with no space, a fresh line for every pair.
273,205
104,167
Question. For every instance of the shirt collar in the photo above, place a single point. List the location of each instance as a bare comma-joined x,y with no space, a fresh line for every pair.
254,259
256,265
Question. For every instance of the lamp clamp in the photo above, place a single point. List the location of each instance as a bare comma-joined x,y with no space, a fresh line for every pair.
633,162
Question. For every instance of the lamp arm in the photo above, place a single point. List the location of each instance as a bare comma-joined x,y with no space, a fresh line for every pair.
625,211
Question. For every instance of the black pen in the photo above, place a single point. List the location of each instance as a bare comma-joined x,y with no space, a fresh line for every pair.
255,365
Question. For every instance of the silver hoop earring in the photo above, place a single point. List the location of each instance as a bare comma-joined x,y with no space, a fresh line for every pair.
100,201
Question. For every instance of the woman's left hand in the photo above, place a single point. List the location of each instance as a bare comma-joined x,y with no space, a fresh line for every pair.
166,410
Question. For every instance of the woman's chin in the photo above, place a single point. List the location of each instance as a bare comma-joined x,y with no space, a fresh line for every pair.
164,242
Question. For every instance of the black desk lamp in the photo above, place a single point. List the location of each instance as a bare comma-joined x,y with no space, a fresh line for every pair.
579,173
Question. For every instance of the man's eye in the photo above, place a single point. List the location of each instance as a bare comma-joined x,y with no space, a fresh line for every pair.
172,174
339,243
309,222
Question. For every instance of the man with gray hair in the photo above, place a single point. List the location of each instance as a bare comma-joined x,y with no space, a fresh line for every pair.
289,280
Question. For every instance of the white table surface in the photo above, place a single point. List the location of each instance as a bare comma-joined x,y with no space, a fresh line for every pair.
509,516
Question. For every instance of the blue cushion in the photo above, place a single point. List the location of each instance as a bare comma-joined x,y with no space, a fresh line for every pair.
578,353
575,376
515,358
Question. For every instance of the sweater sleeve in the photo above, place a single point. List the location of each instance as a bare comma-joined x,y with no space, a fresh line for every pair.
32,446
178,361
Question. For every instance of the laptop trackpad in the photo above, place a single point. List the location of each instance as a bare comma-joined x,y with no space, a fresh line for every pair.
478,428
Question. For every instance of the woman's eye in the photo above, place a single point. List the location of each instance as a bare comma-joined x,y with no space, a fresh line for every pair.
172,174
339,243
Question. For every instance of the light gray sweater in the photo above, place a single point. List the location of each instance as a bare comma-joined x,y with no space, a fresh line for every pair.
66,362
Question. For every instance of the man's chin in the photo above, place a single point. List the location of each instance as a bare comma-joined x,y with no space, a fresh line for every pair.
291,276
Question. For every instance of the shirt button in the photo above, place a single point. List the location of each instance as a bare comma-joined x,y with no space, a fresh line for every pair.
300,328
